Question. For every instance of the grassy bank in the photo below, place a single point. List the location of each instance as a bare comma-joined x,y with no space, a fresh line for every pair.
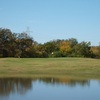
84,67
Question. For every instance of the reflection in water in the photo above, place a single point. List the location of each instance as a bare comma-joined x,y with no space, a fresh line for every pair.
70,82
11,85
22,85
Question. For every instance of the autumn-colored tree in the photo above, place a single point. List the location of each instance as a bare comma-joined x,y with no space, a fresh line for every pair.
96,50
65,47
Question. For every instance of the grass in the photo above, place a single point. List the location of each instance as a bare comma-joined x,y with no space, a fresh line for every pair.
84,67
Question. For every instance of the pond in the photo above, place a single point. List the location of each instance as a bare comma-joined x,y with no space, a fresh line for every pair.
49,89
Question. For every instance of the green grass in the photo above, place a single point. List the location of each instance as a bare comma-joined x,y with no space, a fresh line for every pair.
84,67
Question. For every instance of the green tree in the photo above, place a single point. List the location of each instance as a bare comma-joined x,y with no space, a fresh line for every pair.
6,40
83,49
73,42
51,47
14,45
24,43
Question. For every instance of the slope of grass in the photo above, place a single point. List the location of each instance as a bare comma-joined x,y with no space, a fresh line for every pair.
50,66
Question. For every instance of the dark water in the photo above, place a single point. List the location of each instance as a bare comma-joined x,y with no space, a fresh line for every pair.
49,89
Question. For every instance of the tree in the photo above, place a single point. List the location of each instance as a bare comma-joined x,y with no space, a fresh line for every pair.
83,49
14,45
65,47
6,38
99,50
51,47
24,43
73,42
40,51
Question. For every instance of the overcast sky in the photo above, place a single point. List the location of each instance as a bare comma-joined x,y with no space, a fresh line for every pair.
53,19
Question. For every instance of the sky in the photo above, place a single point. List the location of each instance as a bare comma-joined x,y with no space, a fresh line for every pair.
53,19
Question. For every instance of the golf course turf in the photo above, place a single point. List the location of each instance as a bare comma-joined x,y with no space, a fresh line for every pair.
85,67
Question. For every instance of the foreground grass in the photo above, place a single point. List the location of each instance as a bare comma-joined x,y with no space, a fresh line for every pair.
84,67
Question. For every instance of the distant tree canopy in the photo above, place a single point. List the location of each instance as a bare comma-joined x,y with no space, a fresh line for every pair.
22,45
14,45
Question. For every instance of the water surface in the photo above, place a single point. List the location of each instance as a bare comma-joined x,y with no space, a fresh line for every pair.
49,89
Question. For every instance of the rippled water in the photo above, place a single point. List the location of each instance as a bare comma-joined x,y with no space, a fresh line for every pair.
49,89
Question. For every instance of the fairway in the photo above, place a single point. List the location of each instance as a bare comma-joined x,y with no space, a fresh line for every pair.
50,66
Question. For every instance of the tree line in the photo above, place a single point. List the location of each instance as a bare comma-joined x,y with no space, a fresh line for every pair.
21,45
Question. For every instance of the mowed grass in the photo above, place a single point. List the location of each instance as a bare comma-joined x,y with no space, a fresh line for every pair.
50,66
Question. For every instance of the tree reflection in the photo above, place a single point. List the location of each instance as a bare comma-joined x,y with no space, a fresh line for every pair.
70,82
11,85
22,85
